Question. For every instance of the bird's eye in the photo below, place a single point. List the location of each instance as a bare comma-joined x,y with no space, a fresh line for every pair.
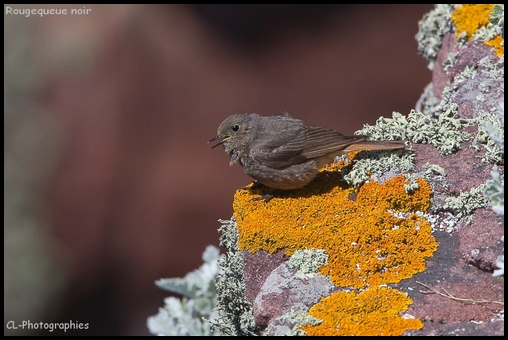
235,127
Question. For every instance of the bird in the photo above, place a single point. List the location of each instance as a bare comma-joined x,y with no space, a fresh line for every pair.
283,153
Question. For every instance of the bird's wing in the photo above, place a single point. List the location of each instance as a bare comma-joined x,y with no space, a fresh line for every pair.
300,145
320,142
278,139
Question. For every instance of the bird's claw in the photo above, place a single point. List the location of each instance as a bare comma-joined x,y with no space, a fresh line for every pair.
264,197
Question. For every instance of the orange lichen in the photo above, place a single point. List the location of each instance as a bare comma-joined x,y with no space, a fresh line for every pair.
498,44
469,18
372,312
366,243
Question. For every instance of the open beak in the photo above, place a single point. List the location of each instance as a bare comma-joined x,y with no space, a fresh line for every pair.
224,138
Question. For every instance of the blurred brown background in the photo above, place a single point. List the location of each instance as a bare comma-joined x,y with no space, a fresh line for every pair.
109,182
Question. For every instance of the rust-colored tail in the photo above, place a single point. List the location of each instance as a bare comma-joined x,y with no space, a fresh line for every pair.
369,145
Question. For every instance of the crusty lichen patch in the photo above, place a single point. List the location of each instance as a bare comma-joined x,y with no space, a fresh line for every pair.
372,312
469,18
498,44
366,243
474,21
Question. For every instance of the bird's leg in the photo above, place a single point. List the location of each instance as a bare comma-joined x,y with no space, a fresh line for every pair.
264,197
255,185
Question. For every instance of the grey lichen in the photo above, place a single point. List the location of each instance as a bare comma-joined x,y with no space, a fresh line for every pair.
497,18
484,81
412,183
235,315
494,27
490,136
428,101
450,61
465,203
492,67
297,294
432,27
499,264
307,262
196,284
494,187
494,191
214,300
297,320
444,131
377,165
435,173
191,314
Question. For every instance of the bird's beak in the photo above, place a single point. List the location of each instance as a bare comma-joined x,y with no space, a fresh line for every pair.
224,138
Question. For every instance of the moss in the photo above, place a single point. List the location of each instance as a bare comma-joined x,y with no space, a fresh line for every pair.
372,312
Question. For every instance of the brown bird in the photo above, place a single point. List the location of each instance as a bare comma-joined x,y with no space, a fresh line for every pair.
281,152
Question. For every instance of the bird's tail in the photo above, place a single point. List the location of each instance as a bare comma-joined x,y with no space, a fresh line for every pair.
368,145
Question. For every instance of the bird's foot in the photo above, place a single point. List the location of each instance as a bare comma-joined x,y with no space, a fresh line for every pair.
253,185
264,197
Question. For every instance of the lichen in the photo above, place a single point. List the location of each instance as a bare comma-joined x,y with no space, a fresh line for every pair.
296,320
493,68
190,315
372,312
469,18
307,262
377,230
490,131
444,132
366,244
494,187
497,18
499,264
484,80
432,27
498,44
235,311
494,191
428,101
465,203
376,164
434,173
411,182
481,22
